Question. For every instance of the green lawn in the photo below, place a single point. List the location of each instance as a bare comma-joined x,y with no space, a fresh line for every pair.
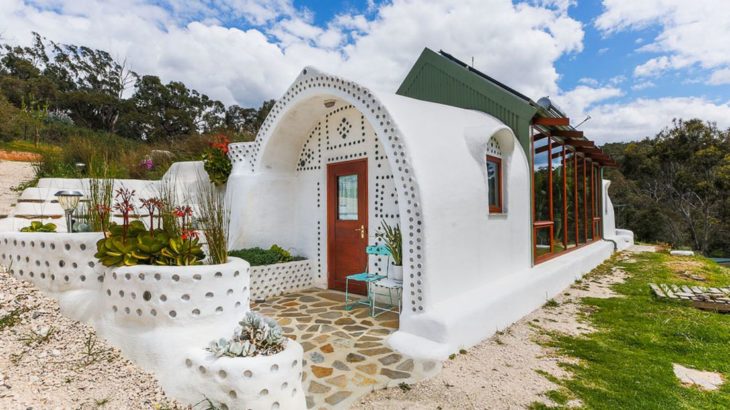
627,362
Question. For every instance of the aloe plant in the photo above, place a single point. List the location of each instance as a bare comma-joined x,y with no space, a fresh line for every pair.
393,241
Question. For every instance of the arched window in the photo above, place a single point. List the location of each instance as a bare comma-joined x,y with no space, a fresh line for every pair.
495,176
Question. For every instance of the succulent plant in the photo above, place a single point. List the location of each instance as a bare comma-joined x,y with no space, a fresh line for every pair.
257,335
37,226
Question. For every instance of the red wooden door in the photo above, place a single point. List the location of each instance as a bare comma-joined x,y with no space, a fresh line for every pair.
347,222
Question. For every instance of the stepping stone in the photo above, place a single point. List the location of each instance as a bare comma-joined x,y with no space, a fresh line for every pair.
366,345
367,338
318,388
336,398
308,299
340,366
394,374
369,368
376,352
361,381
346,343
316,357
321,372
354,358
406,366
322,321
327,329
355,328
390,359
307,346
344,321
310,402
701,379
339,381
331,315
327,348
313,328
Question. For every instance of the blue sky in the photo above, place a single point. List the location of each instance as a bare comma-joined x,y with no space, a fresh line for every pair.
632,65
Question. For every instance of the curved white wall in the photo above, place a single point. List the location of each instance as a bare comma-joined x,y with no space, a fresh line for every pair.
60,264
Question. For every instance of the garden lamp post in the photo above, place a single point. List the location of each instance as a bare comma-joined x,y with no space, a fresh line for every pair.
69,200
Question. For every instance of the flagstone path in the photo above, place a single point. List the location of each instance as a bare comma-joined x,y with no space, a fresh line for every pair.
345,354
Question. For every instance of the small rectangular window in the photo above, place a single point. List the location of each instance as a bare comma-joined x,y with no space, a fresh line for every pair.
494,183
347,197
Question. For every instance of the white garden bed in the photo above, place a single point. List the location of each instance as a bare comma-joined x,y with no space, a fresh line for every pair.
260,382
148,295
273,280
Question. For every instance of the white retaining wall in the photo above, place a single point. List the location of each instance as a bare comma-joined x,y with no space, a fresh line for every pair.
60,264
273,280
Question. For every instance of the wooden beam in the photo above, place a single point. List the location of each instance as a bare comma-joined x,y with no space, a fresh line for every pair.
550,121
572,134
580,143
539,136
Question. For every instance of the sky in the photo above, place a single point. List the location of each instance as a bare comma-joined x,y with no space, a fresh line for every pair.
631,65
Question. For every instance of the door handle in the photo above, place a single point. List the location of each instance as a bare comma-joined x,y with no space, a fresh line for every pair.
362,230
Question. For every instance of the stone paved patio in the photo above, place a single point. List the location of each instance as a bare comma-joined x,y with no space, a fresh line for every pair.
345,354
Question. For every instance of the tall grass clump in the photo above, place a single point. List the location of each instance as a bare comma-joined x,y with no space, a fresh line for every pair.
167,195
101,193
214,219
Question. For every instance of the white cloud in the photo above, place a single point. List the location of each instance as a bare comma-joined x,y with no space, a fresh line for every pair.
692,32
646,117
194,41
721,76
643,85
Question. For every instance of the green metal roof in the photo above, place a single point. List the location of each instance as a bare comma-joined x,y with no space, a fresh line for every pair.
443,79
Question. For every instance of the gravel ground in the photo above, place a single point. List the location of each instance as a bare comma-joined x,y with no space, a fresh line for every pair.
12,173
502,372
48,361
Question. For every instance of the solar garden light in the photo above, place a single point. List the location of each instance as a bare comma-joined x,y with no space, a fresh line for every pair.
69,200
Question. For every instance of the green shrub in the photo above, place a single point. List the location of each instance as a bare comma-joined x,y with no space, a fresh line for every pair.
37,226
259,257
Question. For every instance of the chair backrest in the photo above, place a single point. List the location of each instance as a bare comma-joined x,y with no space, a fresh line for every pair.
378,250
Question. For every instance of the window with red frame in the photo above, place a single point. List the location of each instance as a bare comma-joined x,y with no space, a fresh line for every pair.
494,182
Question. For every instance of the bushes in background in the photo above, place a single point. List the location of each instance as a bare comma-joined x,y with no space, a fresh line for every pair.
258,256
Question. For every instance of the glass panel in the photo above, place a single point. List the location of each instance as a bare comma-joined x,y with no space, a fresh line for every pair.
558,176
493,176
542,242
347,197
542,172
570,195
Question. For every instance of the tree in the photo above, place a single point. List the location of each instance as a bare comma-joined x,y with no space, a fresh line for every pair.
676,186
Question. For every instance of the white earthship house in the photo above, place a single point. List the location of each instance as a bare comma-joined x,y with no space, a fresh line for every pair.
334,159
501,202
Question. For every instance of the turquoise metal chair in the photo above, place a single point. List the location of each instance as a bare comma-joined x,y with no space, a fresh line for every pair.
366,277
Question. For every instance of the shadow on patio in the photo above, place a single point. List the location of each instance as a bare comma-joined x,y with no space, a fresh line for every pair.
345,354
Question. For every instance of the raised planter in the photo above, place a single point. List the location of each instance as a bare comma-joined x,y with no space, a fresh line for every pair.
261,382
148,295
273,280
53,262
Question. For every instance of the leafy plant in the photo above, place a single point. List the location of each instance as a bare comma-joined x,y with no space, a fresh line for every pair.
216,161
37,226
392,237
258,256
213,221
182,252
257,335
133,243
